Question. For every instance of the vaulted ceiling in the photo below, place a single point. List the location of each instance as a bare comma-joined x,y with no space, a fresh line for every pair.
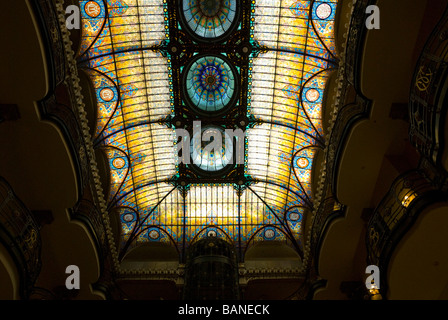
163,70
142,62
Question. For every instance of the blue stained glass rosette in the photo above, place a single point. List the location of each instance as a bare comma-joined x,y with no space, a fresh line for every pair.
210,83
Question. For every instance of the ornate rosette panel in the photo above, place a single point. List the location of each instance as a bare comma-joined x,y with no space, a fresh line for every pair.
210,83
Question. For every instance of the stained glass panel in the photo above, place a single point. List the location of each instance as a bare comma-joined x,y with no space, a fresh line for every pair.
125,52
210,18
210,83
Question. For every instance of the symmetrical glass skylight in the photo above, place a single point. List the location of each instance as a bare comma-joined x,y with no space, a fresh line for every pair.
127,51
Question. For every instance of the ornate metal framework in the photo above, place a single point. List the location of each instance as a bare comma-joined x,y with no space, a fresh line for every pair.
238,48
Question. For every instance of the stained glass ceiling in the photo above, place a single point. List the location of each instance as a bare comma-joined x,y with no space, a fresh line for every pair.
165,71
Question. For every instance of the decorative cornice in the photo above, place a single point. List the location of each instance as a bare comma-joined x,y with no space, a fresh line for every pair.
153,274
177,274
72,80
335,102
246,275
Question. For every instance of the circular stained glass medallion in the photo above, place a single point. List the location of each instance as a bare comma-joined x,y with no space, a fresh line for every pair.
269,233
210,83
107,94
211,233
295,216
153,234
128,217
323,11
303,163
209,18
312,95
92,9
213,154
118,163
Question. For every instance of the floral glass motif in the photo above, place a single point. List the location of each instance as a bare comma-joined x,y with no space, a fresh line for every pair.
210,83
